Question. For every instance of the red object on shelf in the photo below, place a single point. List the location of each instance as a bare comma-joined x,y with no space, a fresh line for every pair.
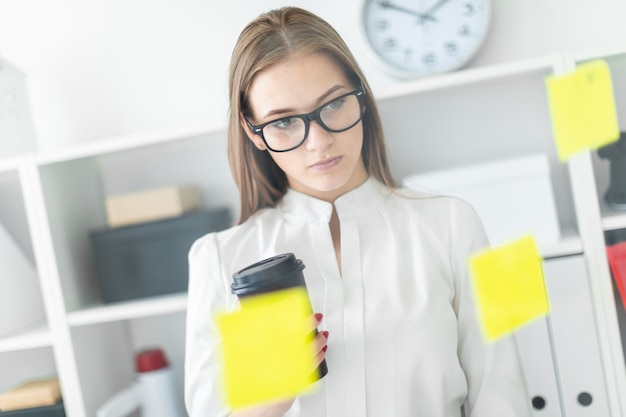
617,261
150,360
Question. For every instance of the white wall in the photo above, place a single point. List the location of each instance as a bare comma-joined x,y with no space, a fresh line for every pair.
100,68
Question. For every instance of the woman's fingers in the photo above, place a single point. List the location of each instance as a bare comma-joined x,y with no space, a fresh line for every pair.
320,345
317,319
320,342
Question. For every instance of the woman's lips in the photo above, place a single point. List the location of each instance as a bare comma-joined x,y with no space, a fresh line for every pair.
326,163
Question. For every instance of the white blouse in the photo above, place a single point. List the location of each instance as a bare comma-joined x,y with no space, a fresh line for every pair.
404,338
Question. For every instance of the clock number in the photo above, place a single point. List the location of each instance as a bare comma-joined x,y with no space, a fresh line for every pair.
468,9
429,59
464,30
450,48
381,25
390,43
408,56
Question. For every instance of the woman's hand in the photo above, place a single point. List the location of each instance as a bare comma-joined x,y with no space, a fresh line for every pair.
279,408
320,341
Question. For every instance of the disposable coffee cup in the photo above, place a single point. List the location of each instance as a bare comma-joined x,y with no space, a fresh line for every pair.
279,272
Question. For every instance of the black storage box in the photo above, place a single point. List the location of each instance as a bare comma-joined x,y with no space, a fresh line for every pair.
150,259
56,410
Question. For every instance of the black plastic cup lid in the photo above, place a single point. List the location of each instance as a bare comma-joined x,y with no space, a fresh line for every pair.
265,273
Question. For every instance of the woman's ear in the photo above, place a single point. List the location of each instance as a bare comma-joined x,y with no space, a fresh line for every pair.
256,139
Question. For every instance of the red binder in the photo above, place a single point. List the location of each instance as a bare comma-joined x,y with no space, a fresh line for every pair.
617,261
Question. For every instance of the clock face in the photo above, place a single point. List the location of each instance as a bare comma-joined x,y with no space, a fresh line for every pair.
415,38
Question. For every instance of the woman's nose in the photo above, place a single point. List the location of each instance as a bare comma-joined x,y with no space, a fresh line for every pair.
318,138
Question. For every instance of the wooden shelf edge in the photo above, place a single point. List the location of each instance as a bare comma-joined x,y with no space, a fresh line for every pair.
128,310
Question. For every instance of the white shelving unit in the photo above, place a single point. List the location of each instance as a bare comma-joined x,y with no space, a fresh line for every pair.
602,219
56,199
24,338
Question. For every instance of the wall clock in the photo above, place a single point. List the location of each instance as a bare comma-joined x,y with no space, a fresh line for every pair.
416,38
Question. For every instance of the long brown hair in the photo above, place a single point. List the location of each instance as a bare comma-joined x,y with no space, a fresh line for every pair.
269,39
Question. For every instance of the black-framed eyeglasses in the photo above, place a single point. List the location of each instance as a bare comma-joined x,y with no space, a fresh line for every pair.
288,133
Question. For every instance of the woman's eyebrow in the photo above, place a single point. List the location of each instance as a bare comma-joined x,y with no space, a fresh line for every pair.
328,92
320,100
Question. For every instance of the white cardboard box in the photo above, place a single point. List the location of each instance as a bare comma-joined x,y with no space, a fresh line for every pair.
513,197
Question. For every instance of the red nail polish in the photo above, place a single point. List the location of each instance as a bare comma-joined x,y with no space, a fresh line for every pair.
325,333
318,317
324,348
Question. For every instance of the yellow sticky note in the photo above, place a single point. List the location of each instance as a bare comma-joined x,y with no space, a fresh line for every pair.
509,287
582,106
267,348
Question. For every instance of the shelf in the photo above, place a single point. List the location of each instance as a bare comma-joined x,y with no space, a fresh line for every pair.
612,219
469,76
570,244
34,336
600,53
121,143
127,310
10,163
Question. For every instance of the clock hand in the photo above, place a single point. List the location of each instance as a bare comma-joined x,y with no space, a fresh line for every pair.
422,16
429,13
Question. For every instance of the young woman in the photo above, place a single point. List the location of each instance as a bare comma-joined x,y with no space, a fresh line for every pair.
385,267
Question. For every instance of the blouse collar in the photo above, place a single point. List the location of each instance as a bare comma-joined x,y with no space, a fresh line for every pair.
302,207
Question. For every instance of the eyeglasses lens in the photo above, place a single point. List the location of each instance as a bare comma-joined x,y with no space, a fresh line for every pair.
338,115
